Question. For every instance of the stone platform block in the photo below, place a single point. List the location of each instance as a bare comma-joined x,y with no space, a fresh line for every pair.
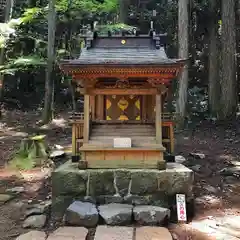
150,215
114,233
153,233
81,214
116,214
131,186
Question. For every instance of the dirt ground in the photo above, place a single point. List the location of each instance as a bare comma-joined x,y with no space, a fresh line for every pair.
217,192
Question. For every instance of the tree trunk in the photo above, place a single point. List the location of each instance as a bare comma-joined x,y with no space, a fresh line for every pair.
228,62
72,89
213,75
47,111
123,10
8,16
238,44
183,38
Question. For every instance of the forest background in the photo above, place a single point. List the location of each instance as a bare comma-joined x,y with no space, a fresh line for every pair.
36,34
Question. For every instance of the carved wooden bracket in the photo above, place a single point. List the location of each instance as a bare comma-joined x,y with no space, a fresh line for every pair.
86,82
155,82
162,89
122,83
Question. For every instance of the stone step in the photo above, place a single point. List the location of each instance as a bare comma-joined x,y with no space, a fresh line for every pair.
114,233
68,233
127,233
152,233
102,233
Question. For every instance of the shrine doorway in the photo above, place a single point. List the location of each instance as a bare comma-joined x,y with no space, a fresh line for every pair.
123,107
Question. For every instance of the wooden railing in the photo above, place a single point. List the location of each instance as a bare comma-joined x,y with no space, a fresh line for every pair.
77,121
169,117
168,120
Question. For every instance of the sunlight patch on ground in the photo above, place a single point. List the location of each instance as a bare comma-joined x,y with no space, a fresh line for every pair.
226,157
35,175
9,132
226,227
209,200
56,123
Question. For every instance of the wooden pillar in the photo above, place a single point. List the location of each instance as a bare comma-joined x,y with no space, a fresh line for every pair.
158,119
86,118
93,107
100,107
74,140
144,108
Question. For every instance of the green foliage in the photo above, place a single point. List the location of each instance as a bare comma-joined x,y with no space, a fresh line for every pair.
22,64
22,162
32,153
32,13
87,6
114,28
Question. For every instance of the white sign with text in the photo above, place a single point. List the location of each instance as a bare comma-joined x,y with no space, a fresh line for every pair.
181,207
122,142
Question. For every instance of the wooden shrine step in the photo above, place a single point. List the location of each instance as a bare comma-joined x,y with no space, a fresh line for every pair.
124,130
107,144
122,134
142,130
123,126
107,141
133,138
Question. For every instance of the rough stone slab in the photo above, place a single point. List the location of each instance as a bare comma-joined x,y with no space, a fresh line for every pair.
59,206
115,213
61,238
66,180
5,198
152,215
114,233
33,235
137,200
82,214
78,233
38,209
15,190
153,233
57,154
36,221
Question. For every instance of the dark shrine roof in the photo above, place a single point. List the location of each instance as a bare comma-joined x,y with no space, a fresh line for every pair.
124,50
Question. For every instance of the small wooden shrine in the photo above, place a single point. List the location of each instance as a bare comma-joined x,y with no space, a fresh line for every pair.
124,80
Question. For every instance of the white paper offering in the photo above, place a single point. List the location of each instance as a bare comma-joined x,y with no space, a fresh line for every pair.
122,142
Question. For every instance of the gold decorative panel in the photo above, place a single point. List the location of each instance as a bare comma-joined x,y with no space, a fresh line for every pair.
123,108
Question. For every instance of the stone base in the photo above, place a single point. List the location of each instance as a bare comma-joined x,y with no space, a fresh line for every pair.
131,186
